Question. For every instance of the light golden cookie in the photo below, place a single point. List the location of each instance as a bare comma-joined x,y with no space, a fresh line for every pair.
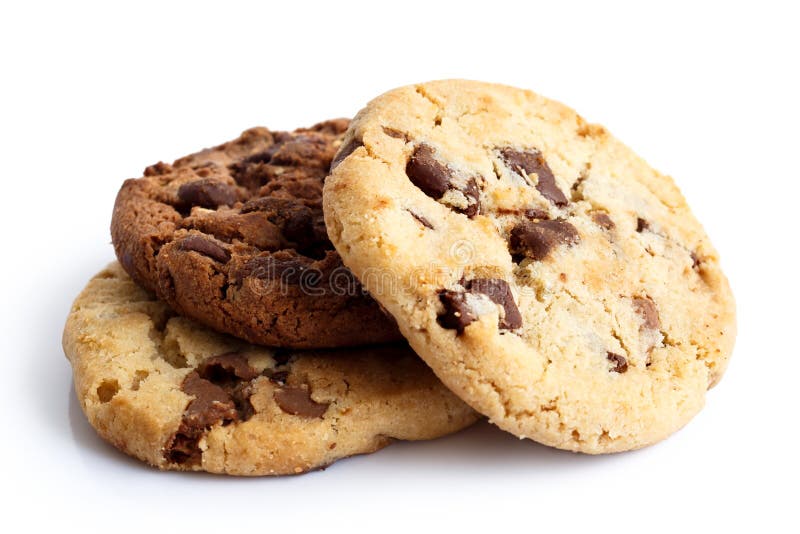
548,275
179,396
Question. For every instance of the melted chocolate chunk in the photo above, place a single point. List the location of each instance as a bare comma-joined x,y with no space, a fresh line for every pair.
533,214
420,219
221,386
620,362
500,293
297,401
294,219
397,134
211,405
228,367
207,193
435,179
602,220
427,173
642,225
457,314
696,260
646,308
345,151
537,238
206,247
473,194
532,161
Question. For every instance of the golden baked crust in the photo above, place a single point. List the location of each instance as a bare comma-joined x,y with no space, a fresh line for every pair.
548,275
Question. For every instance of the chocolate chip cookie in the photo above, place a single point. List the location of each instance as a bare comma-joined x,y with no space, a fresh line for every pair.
166,390
548,275
234,237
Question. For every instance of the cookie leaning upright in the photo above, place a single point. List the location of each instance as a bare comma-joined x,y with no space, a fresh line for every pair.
547,274
179,396
234,237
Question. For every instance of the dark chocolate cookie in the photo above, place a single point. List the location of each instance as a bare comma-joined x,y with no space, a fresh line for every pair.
234,237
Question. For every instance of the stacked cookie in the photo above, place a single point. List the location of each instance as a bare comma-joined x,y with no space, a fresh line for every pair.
551,280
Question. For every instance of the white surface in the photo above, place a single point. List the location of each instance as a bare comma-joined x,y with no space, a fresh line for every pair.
90,95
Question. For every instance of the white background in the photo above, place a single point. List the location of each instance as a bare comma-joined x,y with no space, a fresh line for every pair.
90,95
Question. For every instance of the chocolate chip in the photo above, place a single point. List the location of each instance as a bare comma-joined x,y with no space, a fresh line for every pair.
183,449
646,308
435,179
420,219
529,213
206,247
296,400
293,218
620,362
232,372
473,195
602,220
532,161
500,293
207,193
457,314
533,213
397,134
537,238
696,260
221,387
427,173
345,151
642,225
227,367
211,405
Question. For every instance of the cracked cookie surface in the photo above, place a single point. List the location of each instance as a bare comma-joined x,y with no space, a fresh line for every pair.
175,394
234,237
548,275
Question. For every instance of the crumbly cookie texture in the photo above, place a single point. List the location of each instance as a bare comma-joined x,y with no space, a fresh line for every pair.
234,237
547,274
179,396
